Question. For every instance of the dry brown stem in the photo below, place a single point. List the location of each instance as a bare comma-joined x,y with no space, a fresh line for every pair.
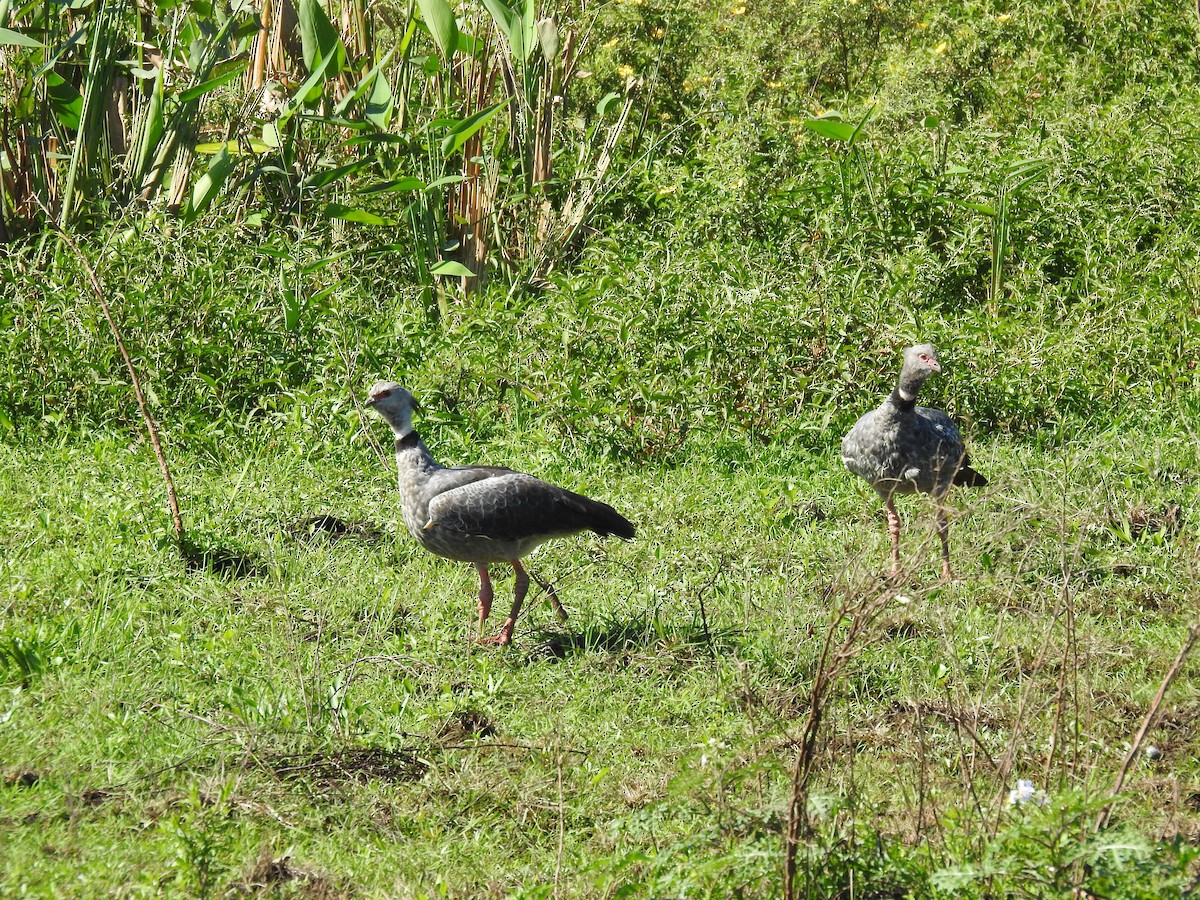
143,407
861,609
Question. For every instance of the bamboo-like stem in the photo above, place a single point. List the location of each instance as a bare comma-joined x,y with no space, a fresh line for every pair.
469,203
88,137
258,68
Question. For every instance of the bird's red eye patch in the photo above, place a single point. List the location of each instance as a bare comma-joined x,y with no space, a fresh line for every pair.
381,395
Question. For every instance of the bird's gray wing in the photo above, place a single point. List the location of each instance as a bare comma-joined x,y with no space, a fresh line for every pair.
942,424
509,506
863,447
940,445
442,481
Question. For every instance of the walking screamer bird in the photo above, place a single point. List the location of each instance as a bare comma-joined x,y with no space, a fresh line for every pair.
902,448
484,514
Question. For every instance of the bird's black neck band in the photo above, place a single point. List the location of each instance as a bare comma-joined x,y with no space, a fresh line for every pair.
407,442
901,404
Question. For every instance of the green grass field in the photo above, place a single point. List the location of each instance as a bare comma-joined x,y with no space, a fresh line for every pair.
170,729
289,703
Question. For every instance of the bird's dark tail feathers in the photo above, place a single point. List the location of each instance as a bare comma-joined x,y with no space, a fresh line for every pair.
968,477
604,520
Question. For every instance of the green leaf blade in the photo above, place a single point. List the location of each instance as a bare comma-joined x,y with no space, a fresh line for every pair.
9,38
463,131
323,49
354,214
451,268
210,183
199,90
831,128
440,21
66,102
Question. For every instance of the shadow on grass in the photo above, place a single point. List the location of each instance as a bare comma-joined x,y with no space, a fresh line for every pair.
329,768
333,529
230,563
223,561
631,635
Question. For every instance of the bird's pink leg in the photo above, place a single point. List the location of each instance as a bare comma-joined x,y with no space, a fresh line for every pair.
485,593
520,588
893,518
943,528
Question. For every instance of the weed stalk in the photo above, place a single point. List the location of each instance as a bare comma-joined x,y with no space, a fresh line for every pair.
143,407
861,611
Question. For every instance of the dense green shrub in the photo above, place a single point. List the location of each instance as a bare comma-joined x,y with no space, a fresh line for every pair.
749,276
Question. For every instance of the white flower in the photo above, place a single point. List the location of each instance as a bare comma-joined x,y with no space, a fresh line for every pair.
1025,792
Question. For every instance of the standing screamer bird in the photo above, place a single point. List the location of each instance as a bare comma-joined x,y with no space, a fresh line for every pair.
484,514
902,448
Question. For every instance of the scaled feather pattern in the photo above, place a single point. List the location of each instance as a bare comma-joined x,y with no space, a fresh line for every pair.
483,514
902,448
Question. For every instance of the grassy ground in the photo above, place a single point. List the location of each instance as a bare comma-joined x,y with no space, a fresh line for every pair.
166,728
300,712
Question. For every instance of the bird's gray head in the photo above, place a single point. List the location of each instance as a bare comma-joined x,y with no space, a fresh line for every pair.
394,403
920,362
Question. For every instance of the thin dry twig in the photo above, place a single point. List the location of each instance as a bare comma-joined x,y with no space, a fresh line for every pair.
861,610
143,407
562,824
517,748
366,431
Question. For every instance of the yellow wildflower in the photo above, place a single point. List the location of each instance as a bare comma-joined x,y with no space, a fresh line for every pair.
658,33
737,11
922,24
940,49
610,44
1003,17
625,71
